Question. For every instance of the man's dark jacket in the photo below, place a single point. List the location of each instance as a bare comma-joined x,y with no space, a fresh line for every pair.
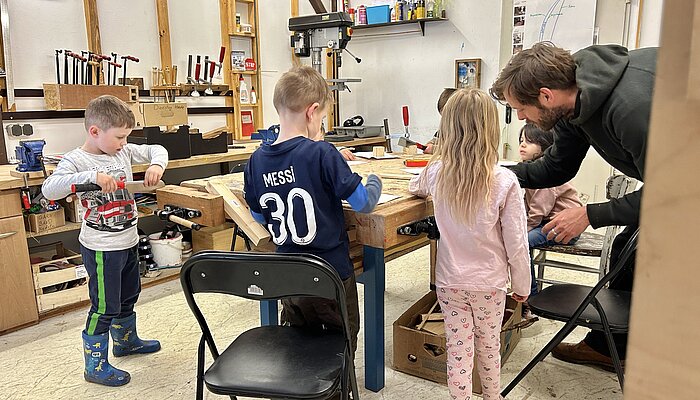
612,115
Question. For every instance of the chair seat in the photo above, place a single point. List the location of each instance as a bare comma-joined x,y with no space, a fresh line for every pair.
559,302
589,244
279,361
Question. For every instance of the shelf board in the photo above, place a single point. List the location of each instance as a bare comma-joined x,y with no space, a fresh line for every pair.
250,105
240,34
246,1
421,22
243,72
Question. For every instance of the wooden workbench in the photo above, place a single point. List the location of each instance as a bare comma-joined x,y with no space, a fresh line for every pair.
376,233
8,181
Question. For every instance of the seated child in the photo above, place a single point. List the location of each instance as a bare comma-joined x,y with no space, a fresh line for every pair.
543,204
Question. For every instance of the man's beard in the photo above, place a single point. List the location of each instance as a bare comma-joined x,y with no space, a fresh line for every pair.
550,116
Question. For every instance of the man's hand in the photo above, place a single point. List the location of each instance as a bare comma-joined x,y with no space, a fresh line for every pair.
153,175
347,154
106,182
567,225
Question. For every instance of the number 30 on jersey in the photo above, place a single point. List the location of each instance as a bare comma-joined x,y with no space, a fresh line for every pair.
286,219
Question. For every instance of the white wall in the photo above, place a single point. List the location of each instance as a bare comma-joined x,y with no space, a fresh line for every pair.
397,68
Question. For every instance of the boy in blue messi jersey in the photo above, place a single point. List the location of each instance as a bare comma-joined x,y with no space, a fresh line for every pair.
295,188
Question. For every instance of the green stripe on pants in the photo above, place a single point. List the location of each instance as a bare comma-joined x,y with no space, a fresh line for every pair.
101,303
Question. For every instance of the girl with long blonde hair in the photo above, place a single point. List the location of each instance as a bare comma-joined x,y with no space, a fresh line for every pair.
481,216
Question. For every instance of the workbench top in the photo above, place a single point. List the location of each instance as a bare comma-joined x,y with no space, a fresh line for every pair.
8,181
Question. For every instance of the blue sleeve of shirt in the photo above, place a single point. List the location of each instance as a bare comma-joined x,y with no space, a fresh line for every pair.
258,217
358,198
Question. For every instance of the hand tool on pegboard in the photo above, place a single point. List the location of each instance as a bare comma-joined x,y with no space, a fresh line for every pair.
197,69
404,111
222,54
208,90
58,67
125,59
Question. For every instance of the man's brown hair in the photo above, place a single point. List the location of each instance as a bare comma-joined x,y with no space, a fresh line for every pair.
300,87
543,65
107,112
444,96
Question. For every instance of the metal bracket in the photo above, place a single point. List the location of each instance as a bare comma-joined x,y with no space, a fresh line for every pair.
426,225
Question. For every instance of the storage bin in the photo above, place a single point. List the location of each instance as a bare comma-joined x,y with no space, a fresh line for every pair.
378,14
359,131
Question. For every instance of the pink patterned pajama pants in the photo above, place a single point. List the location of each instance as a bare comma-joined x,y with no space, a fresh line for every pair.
473,324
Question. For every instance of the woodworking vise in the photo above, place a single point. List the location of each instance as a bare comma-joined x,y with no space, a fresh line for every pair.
180,216
30,154
426,225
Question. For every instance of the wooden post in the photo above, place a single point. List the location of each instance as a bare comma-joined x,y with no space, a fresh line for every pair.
662,352
166,58
318,6
295,13
92,25
258,110
226,18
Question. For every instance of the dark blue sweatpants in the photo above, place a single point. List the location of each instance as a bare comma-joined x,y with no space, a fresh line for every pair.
114,286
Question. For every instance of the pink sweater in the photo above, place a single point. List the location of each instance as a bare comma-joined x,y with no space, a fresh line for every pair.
482,256
544,204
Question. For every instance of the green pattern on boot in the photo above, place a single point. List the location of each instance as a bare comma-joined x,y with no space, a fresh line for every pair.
97,366
126,341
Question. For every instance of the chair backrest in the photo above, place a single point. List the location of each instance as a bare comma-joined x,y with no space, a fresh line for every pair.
259,276
615,187
627,252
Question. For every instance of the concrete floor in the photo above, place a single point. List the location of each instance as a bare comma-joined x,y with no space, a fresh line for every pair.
45,361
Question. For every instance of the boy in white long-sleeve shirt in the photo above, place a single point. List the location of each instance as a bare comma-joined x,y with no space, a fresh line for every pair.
108,235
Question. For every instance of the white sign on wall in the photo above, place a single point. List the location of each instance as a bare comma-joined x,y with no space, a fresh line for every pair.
566,23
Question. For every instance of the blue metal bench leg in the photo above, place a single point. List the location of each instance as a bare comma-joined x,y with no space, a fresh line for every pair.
374,280
268,312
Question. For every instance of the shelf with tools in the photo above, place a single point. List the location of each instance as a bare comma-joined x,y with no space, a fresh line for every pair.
239,33
421,23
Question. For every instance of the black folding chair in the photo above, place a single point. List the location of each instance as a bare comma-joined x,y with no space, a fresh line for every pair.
271,361
597,308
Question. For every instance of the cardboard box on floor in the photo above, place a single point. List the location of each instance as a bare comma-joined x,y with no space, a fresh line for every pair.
424,354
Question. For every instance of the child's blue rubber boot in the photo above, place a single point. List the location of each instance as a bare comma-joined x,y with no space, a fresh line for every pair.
97,367
125,341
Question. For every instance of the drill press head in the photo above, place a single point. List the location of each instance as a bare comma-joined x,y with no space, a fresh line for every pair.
320,31
30,155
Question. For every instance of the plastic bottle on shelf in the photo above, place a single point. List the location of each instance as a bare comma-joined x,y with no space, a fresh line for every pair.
361,15
243,90
238,22
253,95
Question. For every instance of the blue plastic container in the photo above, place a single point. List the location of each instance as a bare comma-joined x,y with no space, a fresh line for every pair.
378,14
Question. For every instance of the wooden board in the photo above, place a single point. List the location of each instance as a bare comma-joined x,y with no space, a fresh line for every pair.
18,303
211,205
238,211
662,347
10,205
77,97
216,238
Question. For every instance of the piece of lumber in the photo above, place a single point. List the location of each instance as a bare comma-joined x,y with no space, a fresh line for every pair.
239,213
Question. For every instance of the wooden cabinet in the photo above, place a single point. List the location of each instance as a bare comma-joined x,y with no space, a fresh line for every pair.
17,299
